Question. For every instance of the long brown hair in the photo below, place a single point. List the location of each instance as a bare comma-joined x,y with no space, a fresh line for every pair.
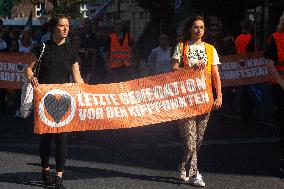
186,35
280,27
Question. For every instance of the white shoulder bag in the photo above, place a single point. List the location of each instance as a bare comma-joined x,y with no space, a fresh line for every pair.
28,91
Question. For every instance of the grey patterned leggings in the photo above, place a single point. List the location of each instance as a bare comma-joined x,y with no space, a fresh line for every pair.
191,132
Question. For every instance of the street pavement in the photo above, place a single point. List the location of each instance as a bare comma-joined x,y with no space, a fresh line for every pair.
235,155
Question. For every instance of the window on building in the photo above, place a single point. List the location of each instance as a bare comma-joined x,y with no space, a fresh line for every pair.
38,8
83,10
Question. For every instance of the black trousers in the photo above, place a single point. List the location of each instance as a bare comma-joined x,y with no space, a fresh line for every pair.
18,93
2,100
247,104
61,150
278,98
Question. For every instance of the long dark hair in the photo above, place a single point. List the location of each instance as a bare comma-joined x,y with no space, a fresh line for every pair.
186,35
280,27
54,21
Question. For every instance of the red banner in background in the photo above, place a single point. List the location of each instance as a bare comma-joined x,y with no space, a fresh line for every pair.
149,100
12,67
237,70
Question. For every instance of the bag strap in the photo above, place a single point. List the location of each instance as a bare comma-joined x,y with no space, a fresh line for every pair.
67,52
37,68
182,43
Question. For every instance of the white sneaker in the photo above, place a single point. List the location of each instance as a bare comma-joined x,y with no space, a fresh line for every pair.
198,181
183,177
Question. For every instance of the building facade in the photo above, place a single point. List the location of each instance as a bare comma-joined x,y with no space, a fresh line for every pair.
134,17
22,11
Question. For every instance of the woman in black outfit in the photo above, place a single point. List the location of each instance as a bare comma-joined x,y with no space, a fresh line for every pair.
58,62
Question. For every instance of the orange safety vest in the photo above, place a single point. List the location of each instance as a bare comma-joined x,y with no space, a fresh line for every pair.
279,39
208,51
241,43
119,55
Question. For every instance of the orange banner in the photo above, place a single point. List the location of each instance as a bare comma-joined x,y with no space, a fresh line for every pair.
237,70
144,101
12,66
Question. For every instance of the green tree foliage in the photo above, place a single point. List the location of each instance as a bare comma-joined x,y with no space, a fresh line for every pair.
162,12
183,9
159,9
68,7
6,7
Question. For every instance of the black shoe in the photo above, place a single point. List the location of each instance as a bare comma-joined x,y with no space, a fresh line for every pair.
58,183
281,173
47,179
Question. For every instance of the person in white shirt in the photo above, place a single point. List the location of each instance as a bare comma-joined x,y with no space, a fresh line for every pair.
26,44
159,60
193,53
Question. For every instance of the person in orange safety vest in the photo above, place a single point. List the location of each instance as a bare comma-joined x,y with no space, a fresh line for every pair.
244,43
120,49
275,62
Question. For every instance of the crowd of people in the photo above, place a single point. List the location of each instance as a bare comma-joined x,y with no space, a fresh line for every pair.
81,56
92,49
98,52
